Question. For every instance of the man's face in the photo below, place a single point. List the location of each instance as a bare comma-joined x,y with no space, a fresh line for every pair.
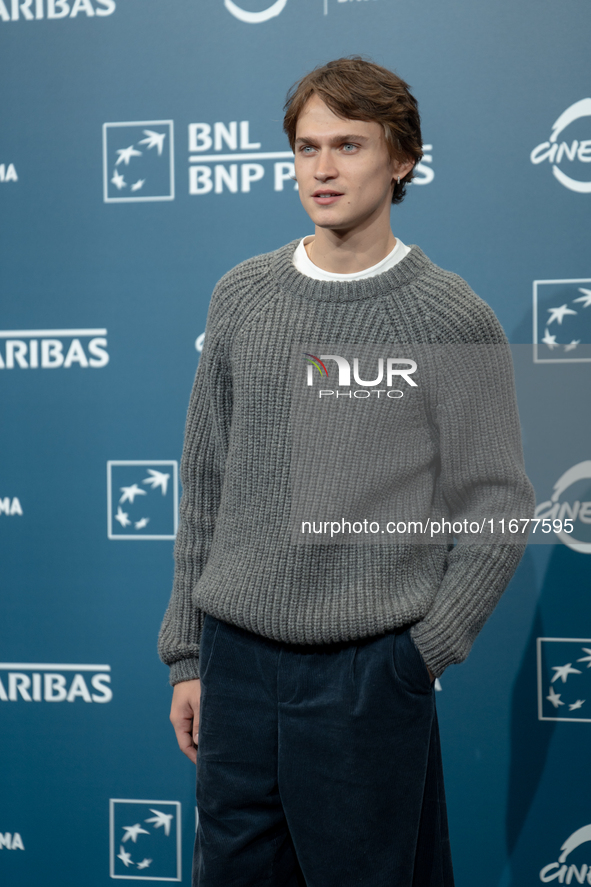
344,170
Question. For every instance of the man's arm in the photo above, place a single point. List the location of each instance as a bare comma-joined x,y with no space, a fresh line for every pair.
201,477
178,643
482,476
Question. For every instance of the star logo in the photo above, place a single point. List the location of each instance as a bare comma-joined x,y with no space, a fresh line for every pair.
550,340
138,161
124,857
125,155
161,820
157,479
154,140
555,673
554,698
150,849
585,299
562,321
122,517
118,180
129,493
142,499
559,313
132,831
563,671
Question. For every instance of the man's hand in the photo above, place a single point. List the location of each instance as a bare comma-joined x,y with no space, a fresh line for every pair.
184,715
431,675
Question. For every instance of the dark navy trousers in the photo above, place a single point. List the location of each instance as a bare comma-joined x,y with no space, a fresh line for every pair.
318,766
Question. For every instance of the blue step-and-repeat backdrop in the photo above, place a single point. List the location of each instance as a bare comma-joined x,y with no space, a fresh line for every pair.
141,157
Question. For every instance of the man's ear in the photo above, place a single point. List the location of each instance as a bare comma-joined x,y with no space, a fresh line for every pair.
402,169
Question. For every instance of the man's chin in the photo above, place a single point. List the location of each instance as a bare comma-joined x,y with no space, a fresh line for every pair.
333,224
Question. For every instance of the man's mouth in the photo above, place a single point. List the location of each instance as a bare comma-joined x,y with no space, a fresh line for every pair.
324,197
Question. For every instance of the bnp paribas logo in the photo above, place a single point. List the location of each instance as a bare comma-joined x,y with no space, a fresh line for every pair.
142,499
564,679
138,161
145,840
562,320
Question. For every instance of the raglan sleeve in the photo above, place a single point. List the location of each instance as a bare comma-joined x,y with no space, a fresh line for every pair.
482,479
201,474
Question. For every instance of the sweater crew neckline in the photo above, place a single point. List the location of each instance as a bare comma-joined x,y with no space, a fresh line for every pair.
298,284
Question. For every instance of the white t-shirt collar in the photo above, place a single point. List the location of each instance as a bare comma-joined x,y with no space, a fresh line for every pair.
305,266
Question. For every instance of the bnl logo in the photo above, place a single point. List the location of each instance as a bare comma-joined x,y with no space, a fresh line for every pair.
145,840
142,499
138,161
237,171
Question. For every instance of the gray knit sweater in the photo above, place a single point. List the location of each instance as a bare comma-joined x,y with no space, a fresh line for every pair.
235,557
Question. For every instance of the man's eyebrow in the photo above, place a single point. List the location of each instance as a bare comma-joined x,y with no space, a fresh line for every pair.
336,139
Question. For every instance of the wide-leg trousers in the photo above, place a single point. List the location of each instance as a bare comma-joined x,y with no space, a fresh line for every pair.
318,766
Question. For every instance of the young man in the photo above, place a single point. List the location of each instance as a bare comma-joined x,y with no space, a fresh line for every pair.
303,674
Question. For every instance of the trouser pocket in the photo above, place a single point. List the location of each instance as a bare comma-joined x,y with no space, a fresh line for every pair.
409,664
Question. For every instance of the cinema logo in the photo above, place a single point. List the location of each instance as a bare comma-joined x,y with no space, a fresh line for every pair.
397,368
571,498
29,10
53,349
8,172
10,505
570,872
573,152
11,841
40,682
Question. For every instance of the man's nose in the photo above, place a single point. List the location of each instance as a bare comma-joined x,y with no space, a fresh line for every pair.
325,168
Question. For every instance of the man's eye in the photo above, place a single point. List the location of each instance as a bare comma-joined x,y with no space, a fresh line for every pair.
348,148
307,149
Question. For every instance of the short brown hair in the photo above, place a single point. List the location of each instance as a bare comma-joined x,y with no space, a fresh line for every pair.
361,90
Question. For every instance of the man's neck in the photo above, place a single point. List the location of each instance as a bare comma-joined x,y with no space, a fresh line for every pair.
348,253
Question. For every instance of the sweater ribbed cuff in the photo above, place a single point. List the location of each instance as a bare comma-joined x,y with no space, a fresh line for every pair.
184,670
432,648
